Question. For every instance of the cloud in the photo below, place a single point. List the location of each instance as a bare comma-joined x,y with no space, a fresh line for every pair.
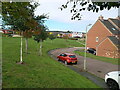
51,7
62,19
92,16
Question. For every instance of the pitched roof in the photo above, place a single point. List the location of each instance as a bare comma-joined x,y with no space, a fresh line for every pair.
110,26
116,21
115,41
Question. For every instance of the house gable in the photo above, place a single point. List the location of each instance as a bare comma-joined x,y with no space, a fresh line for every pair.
107,51
115,41
104,36
98,31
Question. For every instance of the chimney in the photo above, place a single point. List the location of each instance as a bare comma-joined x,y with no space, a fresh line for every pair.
101,17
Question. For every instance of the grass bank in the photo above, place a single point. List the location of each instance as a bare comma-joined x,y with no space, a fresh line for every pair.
105,59
38,71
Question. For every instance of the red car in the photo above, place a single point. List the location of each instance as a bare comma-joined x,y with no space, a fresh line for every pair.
67,58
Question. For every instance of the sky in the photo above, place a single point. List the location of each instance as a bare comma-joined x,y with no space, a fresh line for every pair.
61,20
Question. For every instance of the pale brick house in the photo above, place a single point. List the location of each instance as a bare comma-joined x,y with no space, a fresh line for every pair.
104,36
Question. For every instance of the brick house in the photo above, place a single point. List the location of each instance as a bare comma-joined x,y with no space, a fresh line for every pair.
104,36
69,35
77,34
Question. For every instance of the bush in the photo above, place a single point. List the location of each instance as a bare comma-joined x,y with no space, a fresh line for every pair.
7,35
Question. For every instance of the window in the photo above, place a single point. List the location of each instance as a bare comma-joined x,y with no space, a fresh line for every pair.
72,56
97,39
61,54
113,28
65,55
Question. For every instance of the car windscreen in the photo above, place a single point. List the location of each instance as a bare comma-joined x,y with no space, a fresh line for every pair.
72,56
91,49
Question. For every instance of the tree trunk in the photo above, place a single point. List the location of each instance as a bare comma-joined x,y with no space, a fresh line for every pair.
40,50
26,46
21,52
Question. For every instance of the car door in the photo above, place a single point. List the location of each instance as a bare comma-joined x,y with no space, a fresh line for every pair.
64,57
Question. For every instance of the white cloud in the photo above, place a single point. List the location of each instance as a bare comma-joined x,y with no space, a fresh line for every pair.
50,7
89,15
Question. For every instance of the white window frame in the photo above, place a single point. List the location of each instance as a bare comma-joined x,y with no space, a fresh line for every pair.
97,39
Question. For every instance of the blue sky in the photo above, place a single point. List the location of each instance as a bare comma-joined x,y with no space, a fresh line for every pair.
61,20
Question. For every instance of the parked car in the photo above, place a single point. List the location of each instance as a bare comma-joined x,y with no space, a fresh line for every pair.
91,50
68,58
112,79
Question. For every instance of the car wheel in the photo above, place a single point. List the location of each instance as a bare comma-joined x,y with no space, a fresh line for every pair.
94,53
112,84
66,63
59,60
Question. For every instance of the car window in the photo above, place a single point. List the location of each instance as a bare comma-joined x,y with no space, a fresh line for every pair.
72,56
65,55
92,49
61,54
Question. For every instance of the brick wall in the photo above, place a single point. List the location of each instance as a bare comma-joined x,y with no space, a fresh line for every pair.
98,30
107,49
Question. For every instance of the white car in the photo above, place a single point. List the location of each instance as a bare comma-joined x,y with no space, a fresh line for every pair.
112,79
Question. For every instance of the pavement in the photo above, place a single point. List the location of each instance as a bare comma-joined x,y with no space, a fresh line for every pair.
96,69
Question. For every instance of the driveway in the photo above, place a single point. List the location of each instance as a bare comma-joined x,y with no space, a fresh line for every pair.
96,67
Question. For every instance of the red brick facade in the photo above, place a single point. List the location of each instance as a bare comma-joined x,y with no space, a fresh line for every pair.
98,30
97,38
107,49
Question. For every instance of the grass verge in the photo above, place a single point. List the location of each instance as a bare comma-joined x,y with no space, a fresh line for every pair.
105,59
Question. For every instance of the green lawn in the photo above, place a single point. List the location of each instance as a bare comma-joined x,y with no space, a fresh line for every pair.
105,59
38,71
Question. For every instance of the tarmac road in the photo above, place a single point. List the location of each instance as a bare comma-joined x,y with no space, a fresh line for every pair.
96,69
